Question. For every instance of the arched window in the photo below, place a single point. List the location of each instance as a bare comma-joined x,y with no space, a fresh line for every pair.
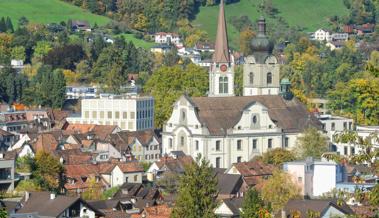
223,85
269,78
251,78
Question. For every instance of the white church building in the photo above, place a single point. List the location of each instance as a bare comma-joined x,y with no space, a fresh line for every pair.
227,129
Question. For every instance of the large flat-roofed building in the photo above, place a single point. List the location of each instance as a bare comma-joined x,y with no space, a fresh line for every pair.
129,112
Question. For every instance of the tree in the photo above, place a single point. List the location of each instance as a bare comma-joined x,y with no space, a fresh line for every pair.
48,171
168,83
373,196
246,36
3,25
58,93
253,205
9,25
18,53
41,49
23,21
278,189
169,182
92,192
197,191
278,156
311,143
358,98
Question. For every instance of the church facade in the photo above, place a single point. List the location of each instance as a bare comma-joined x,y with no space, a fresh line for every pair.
227,129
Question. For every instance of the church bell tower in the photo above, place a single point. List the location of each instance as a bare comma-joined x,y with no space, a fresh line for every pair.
261,70
221,73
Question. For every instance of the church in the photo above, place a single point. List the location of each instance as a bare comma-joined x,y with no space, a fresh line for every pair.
227,129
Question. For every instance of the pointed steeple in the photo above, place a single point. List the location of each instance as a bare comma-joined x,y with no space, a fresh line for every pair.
221,54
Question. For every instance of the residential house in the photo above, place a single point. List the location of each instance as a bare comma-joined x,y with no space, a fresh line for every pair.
80,176
365,28
314,177
45,204
80,25
15,121
316,208
319,105
7,173
134,197
168,165
229,208
78,92
335,124
90,131
57,118
333,45
106,151
7,139
144,145
74,156
204,47
230,186
348,149
129,112
46,142
122,172
167,38
254,173
161,48
322,35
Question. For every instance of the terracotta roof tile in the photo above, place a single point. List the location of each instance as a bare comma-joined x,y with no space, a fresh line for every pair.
130,167
46,142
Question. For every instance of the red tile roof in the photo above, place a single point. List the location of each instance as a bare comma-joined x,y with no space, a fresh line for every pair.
159,211
46,142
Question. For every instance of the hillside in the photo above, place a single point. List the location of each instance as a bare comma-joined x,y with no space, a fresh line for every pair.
308,14
47,11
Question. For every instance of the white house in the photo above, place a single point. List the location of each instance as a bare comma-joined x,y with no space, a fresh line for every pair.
314,177
121,173
335,124
129,112
167,38
322,35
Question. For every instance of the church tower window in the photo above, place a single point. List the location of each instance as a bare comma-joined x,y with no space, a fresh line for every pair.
269,78
251,78
223,85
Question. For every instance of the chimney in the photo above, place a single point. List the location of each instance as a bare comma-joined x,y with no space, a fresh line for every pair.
1,155
52,196
27,196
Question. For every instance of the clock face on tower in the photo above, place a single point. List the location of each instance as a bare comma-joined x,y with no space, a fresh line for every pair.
224,68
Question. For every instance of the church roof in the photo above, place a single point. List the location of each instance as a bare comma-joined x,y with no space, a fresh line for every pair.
221,54
223,113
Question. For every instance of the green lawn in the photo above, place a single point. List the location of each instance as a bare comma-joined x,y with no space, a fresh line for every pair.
47,11
138,42
309,14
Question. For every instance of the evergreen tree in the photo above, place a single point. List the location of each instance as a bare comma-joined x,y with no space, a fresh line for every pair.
9,25
197,191
59,89
3,26
253,206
